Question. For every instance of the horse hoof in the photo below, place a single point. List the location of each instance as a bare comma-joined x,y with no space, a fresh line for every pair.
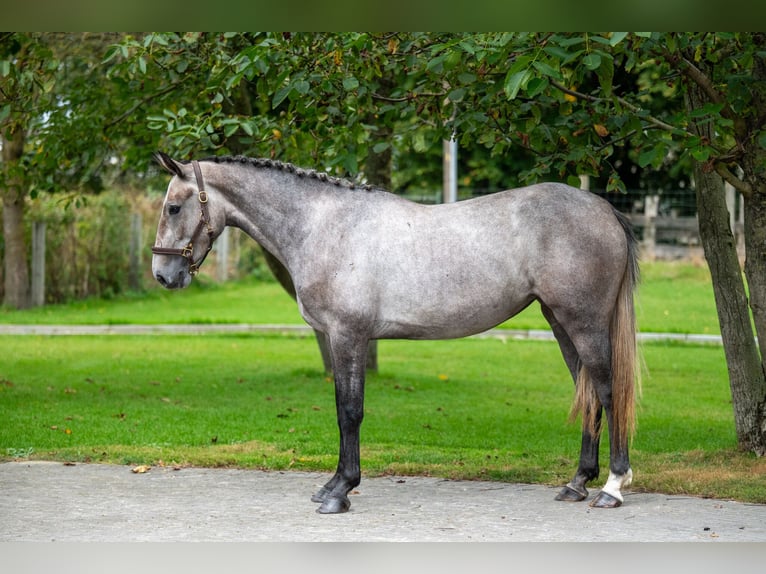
321,495
335,505
605,500
569,494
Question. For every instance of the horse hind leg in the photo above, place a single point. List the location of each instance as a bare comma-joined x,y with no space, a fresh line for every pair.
588,469
600,390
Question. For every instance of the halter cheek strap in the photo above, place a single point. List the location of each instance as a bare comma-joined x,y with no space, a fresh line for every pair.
203,226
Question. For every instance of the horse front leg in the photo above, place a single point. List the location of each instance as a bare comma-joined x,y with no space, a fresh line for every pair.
349,355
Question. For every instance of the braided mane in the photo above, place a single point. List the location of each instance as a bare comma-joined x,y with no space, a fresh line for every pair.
288,168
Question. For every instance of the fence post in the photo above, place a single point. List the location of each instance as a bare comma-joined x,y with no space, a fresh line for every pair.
651,210
134,273
449,177
38,263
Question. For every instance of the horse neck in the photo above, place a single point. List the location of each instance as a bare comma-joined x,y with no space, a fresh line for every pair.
270,206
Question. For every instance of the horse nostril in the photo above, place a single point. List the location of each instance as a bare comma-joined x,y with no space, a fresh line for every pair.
161,280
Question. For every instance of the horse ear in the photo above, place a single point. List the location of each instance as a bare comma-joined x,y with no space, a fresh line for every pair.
169,164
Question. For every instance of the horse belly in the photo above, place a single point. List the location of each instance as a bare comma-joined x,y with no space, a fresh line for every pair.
447,311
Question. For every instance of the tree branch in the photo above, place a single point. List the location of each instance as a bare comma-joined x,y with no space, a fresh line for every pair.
699,78
742,186
633,108
140,103
408,97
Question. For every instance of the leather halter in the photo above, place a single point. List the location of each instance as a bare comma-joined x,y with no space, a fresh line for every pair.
203,225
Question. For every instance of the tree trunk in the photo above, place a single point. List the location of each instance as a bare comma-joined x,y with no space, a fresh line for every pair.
753,165
754,173
746,376
750,399
16,269
743,360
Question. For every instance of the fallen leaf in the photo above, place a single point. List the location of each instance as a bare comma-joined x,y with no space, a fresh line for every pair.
141,469
601,130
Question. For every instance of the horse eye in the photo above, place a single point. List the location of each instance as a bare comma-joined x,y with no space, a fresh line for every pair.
174,209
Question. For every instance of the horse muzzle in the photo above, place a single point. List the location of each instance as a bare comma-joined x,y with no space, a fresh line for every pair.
173,277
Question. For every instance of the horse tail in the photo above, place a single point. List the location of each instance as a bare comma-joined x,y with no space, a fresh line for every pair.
626,374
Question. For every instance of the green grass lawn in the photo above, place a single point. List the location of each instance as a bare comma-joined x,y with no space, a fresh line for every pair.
462,409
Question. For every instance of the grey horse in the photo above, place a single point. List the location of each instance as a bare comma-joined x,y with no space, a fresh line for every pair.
367,264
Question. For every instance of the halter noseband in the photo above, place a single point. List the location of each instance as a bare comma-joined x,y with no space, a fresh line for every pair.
203,225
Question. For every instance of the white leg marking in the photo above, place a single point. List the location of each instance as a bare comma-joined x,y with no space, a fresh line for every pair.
616,482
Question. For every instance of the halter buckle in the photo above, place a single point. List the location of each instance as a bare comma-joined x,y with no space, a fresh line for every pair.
187,251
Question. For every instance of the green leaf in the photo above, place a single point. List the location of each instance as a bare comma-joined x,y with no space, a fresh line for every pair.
573,180
615,184
436,64
762,139
380,147
513,83
653,156
280,95
547,70
302,87
467,47
111,53
616,38
605,73
707,109
701,153
350,163
350,83
456,95
536,86
557,52
592,61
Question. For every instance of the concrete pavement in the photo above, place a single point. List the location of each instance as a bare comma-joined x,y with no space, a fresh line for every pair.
46,501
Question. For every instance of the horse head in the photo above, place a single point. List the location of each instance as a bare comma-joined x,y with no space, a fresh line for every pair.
188,225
